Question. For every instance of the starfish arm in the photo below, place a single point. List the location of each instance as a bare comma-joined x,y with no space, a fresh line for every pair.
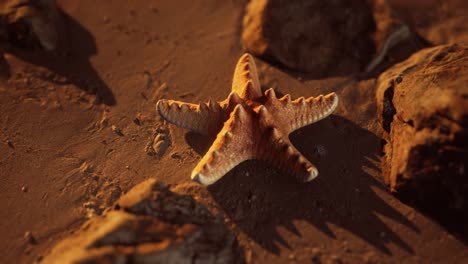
205,118
232,146
301,112
285,156
245,82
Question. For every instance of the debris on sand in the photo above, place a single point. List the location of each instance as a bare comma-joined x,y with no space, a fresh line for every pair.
423,110
322,37
9,143
86,168
117,130
28,236
159,142
150,224
104,120
92,209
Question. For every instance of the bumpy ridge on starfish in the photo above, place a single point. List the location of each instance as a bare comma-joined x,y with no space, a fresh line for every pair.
228,150
245,82
301,112
205,118
288,158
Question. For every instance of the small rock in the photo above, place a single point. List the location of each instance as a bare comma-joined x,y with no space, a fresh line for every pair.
9,143
86,168
149,150
117,130
92,209
176,155
161,225
323,37
137,121
28,236
104,120
24,188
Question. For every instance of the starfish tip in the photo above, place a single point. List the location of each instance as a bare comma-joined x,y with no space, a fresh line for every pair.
313,173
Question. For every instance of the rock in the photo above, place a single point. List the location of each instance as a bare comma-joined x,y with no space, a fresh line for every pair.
92,209
28,236
158,143
423,109
117,130
23,21
104,120
9,143
150,224
323,37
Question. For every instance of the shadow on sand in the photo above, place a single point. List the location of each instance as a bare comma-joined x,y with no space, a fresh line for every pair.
72,59
262,200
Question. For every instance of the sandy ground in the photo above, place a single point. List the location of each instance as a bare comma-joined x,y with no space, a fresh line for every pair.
60,152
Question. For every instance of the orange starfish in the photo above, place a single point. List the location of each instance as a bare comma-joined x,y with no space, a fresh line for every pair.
249,125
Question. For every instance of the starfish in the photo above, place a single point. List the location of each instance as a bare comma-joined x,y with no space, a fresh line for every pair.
249,125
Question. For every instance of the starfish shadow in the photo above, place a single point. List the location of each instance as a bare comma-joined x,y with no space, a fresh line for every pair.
72,59
259,199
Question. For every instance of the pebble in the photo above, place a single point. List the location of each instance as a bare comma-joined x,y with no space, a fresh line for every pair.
117,130
24,188
9,143
29,237
104,120
176,155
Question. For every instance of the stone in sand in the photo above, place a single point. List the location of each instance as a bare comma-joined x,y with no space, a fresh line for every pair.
323,37
150,224
23,20
423,109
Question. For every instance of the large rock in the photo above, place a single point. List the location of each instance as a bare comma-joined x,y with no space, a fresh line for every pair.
394,39
323,37
423,109
150,224
24,20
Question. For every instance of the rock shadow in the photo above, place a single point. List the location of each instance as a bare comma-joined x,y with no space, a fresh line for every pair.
259,199
71,59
